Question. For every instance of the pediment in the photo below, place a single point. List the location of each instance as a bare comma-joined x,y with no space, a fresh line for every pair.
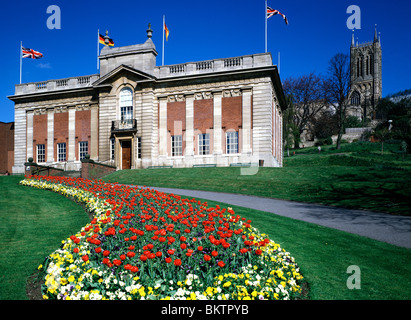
123,70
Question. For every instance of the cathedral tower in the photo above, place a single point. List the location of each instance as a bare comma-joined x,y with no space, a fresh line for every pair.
366,77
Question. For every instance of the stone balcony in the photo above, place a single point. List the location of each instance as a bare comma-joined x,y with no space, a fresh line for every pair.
127,125
56,85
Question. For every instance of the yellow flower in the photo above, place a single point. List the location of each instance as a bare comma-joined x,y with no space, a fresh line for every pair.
209,291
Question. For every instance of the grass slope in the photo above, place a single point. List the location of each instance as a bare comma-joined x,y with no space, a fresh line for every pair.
32,225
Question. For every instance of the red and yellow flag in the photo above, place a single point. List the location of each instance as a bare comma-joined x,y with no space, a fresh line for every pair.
166,31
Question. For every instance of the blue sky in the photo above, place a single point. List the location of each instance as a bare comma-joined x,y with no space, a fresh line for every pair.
199,30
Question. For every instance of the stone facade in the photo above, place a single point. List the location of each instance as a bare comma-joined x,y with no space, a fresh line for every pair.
135,114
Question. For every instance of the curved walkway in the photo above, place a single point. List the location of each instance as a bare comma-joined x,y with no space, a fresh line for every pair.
395,230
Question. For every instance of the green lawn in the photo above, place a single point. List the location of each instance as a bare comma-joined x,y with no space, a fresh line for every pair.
32,225
33,222
324,254
357,176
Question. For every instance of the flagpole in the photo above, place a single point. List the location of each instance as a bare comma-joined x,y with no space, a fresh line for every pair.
265,13
21,58
164,24
278,62
98,41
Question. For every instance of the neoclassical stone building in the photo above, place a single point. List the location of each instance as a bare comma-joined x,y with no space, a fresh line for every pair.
134,114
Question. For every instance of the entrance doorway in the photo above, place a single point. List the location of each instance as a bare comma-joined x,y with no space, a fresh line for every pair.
126,154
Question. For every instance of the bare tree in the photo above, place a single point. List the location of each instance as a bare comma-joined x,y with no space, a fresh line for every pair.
337,89
307,97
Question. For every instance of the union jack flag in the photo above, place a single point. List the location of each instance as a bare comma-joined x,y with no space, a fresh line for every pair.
30,53
272,12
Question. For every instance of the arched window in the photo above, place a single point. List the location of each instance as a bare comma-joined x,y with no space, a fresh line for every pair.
355,98
362,66
371,65
126,104
367,65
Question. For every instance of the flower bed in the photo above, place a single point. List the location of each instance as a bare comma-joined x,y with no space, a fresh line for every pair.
144,244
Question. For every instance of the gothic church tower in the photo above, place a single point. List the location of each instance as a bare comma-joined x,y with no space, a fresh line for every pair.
366,77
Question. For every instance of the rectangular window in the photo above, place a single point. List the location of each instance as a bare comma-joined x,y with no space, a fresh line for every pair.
41,153
83,149
232,142
112,148
138,147
203,143
126,113
177,146
61,152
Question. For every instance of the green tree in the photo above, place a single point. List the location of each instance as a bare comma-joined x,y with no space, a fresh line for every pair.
381,134
395,114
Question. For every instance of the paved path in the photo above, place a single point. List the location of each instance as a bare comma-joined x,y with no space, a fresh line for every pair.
395,230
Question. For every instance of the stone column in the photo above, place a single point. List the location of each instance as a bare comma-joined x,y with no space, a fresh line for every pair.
71,152
20,140
163,126
94,133
50,135
29,142
217,121
246,124
189,125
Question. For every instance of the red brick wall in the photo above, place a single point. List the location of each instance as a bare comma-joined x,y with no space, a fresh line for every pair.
60,132
39,134
203,120
83,129
90,170
176,111
232,117
6,147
